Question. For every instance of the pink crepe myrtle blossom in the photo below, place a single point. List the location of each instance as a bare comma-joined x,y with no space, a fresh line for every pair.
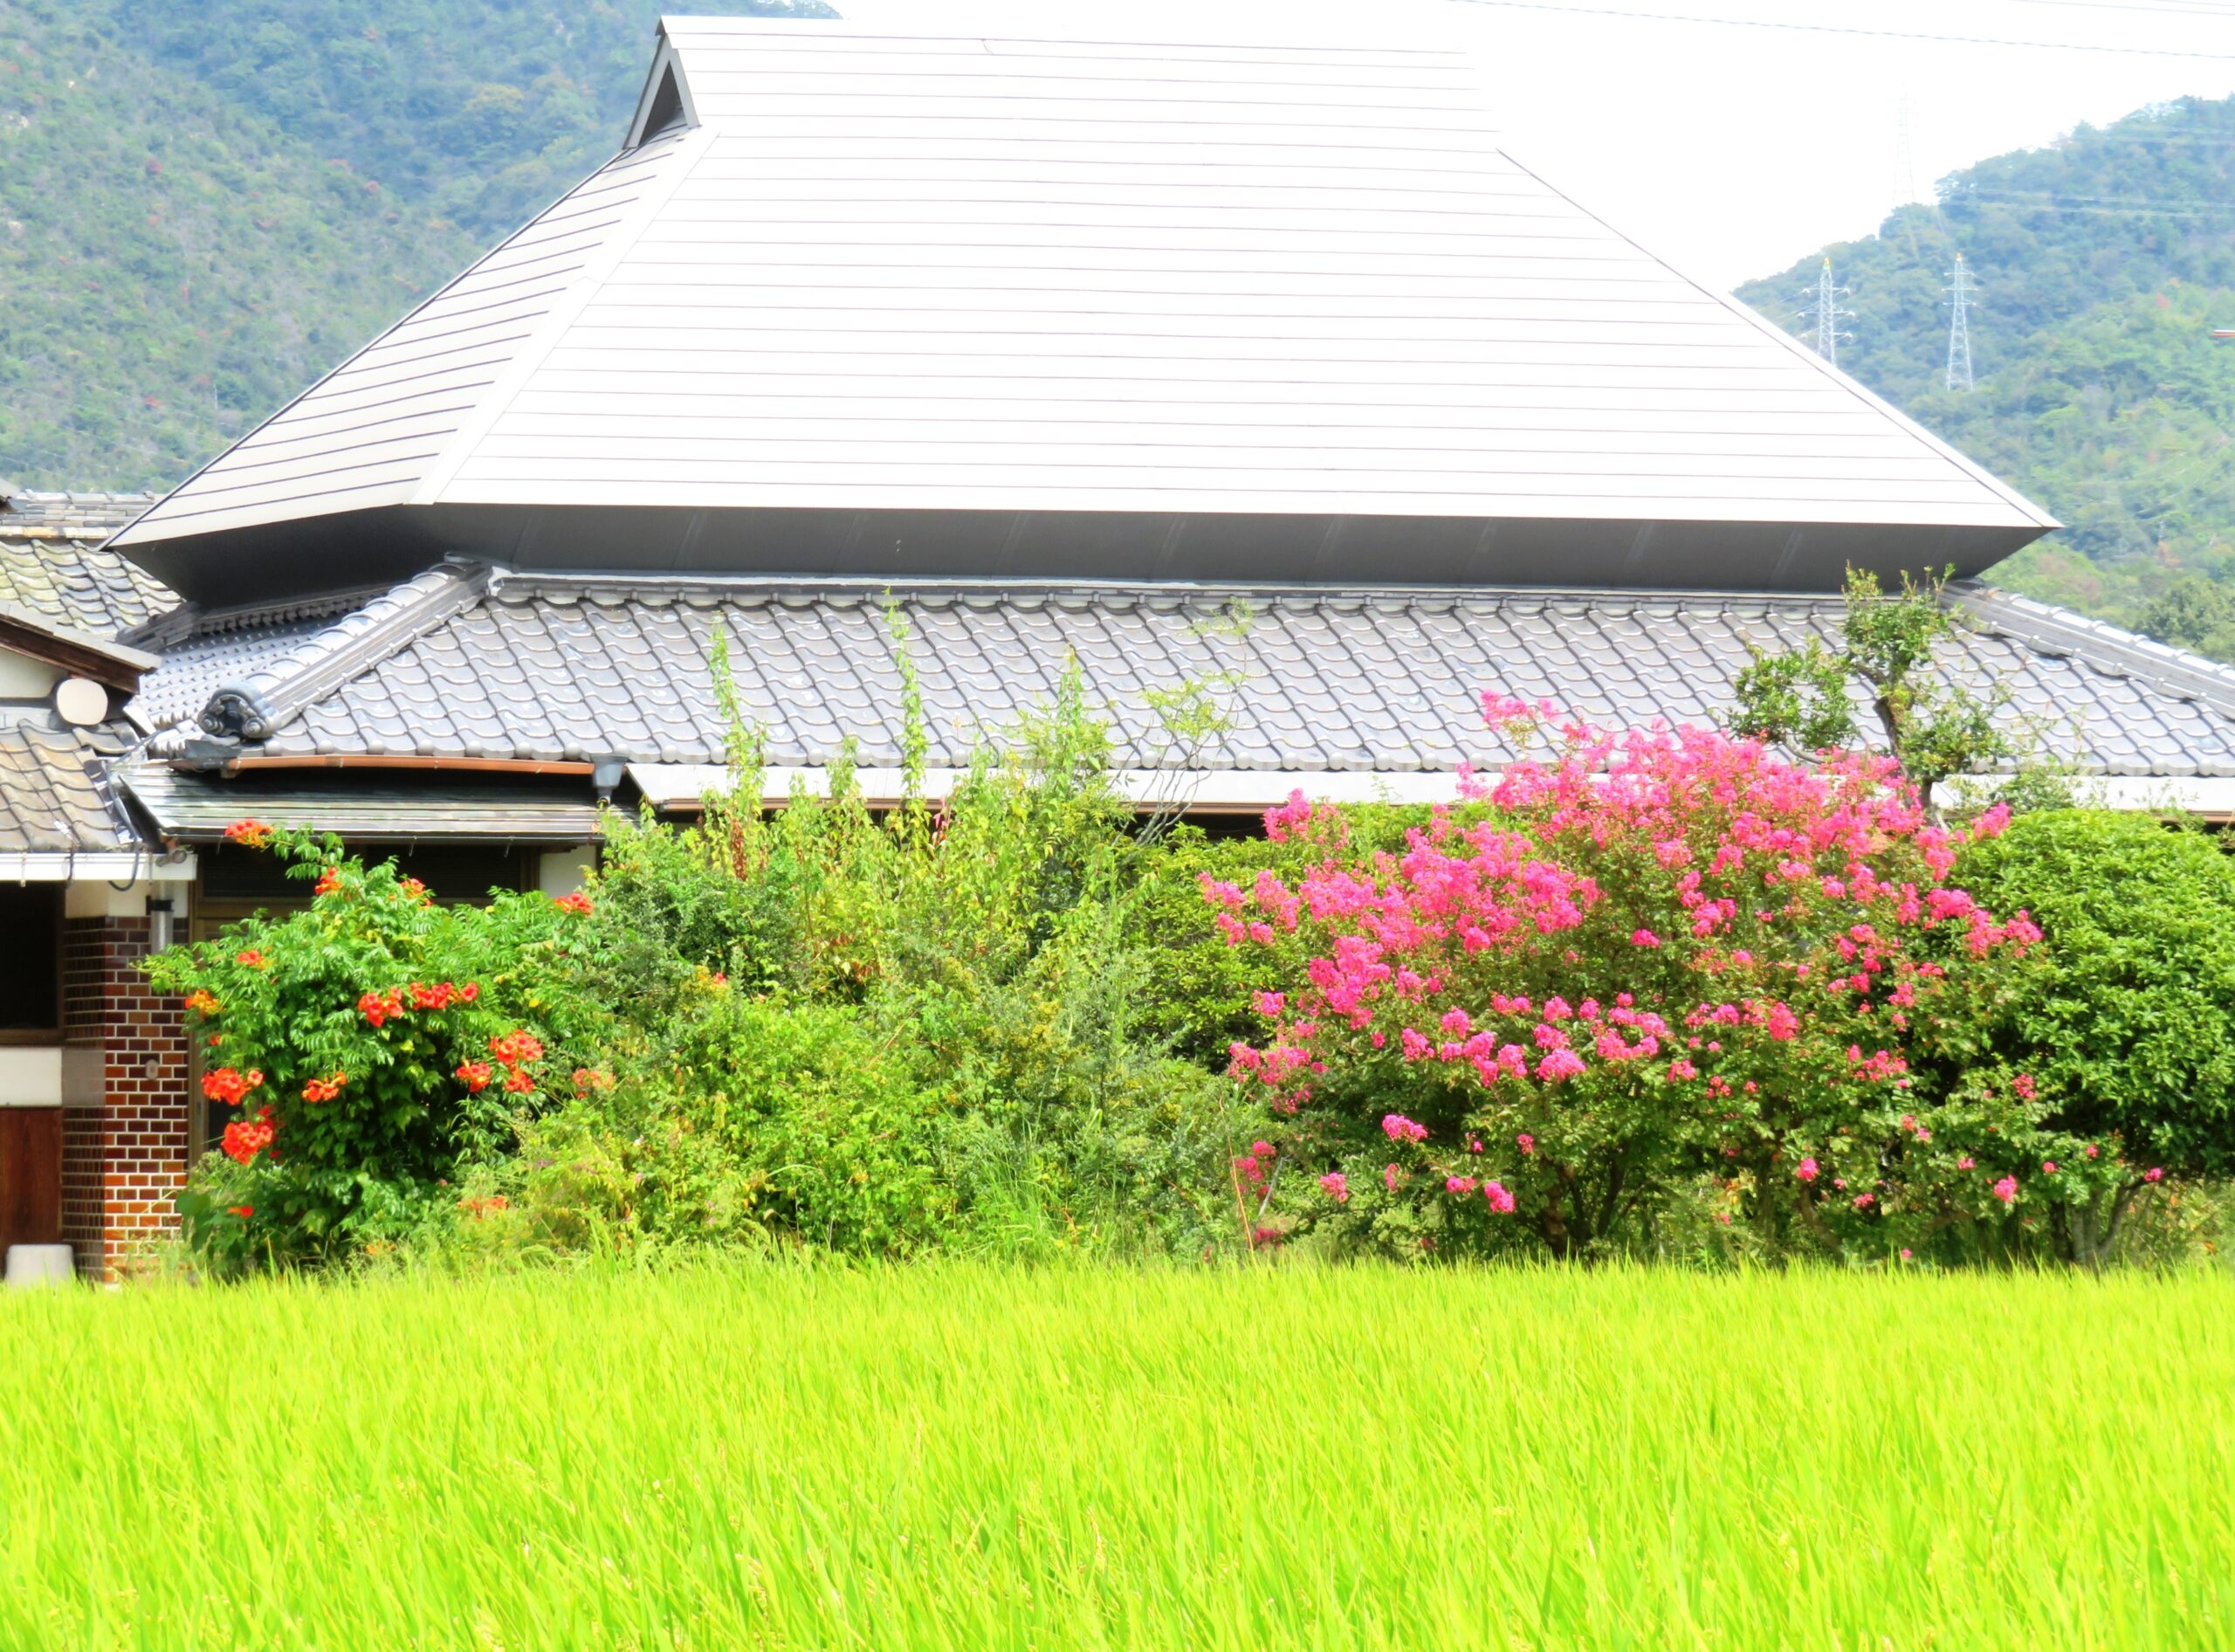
1558,1064
1337,1187
1863,1200
1501,1200
1459,1184
1808,1170
2156,1173
1807,955
1391,1176
1967,1163
2006,1189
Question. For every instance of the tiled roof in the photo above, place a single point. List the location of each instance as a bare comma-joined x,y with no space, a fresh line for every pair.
74,514
556,668
53,799
52,561
200,652
196,809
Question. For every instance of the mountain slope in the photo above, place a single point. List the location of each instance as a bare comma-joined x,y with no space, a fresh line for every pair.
204,206
174,267
2102,262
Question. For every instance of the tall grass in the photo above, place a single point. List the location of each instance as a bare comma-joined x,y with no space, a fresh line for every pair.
970,1457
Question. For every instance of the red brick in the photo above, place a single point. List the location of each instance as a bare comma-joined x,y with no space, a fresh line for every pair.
122,1160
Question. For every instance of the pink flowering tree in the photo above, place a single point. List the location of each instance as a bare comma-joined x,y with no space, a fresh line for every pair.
1649,967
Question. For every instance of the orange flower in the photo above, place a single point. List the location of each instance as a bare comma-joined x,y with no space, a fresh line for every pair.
426,997
244,1139
229,1085
518,1082
242,1211
477,1075
379,1006
579,904
515,1047
417,890
250,960
328,881
325,1089
201,1001
250,834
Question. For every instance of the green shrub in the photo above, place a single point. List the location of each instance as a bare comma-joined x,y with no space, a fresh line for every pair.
2131,1028
373,1042
756,1115
943,1026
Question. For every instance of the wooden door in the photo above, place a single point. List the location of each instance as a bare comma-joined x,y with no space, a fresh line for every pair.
31,1176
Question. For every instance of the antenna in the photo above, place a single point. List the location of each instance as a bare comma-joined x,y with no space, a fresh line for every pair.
1826,315
1959,328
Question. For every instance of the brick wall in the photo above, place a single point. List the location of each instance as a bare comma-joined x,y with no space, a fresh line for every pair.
123,1161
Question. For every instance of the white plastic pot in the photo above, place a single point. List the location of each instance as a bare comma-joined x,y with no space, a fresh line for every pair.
33,1265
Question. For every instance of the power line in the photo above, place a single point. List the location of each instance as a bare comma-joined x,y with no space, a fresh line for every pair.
1841,29
2169,8
2059,197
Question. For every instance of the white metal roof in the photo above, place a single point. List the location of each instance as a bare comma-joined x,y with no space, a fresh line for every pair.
872,270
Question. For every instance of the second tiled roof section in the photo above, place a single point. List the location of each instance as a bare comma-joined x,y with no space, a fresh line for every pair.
557,668
52,561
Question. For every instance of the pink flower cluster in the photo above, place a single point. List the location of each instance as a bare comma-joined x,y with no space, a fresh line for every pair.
1756,936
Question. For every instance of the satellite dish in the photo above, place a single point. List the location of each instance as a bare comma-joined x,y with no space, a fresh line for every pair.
80,702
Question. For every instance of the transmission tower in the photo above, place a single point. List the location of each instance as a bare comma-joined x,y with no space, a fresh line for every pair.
1960,291
1826,315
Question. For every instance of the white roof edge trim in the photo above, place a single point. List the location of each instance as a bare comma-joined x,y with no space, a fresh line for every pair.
682,786
667,70
1861,392
108,866
497,400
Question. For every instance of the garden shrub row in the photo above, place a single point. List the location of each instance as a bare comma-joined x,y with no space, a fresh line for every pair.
1659,993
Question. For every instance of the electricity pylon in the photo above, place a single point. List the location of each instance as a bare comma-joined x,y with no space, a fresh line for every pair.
1959,328
1826,314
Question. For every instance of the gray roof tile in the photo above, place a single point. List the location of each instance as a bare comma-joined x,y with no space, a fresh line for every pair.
557,668
54,797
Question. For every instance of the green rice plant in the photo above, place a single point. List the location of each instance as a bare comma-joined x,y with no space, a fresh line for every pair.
1258,1457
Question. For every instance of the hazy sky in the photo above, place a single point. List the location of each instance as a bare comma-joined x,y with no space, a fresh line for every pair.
1732,150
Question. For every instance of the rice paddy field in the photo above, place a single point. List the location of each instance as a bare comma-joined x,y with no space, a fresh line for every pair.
952,1458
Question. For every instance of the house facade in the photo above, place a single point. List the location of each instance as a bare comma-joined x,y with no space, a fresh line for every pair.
1211,361
92,1068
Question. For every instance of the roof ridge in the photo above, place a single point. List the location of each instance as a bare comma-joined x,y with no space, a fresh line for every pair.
190,620
2184,675
260,705
660,582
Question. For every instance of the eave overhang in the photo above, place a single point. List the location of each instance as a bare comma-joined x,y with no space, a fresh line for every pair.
282,560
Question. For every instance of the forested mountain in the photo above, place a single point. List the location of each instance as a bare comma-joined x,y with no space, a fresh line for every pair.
203,206
205,203
2102,262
